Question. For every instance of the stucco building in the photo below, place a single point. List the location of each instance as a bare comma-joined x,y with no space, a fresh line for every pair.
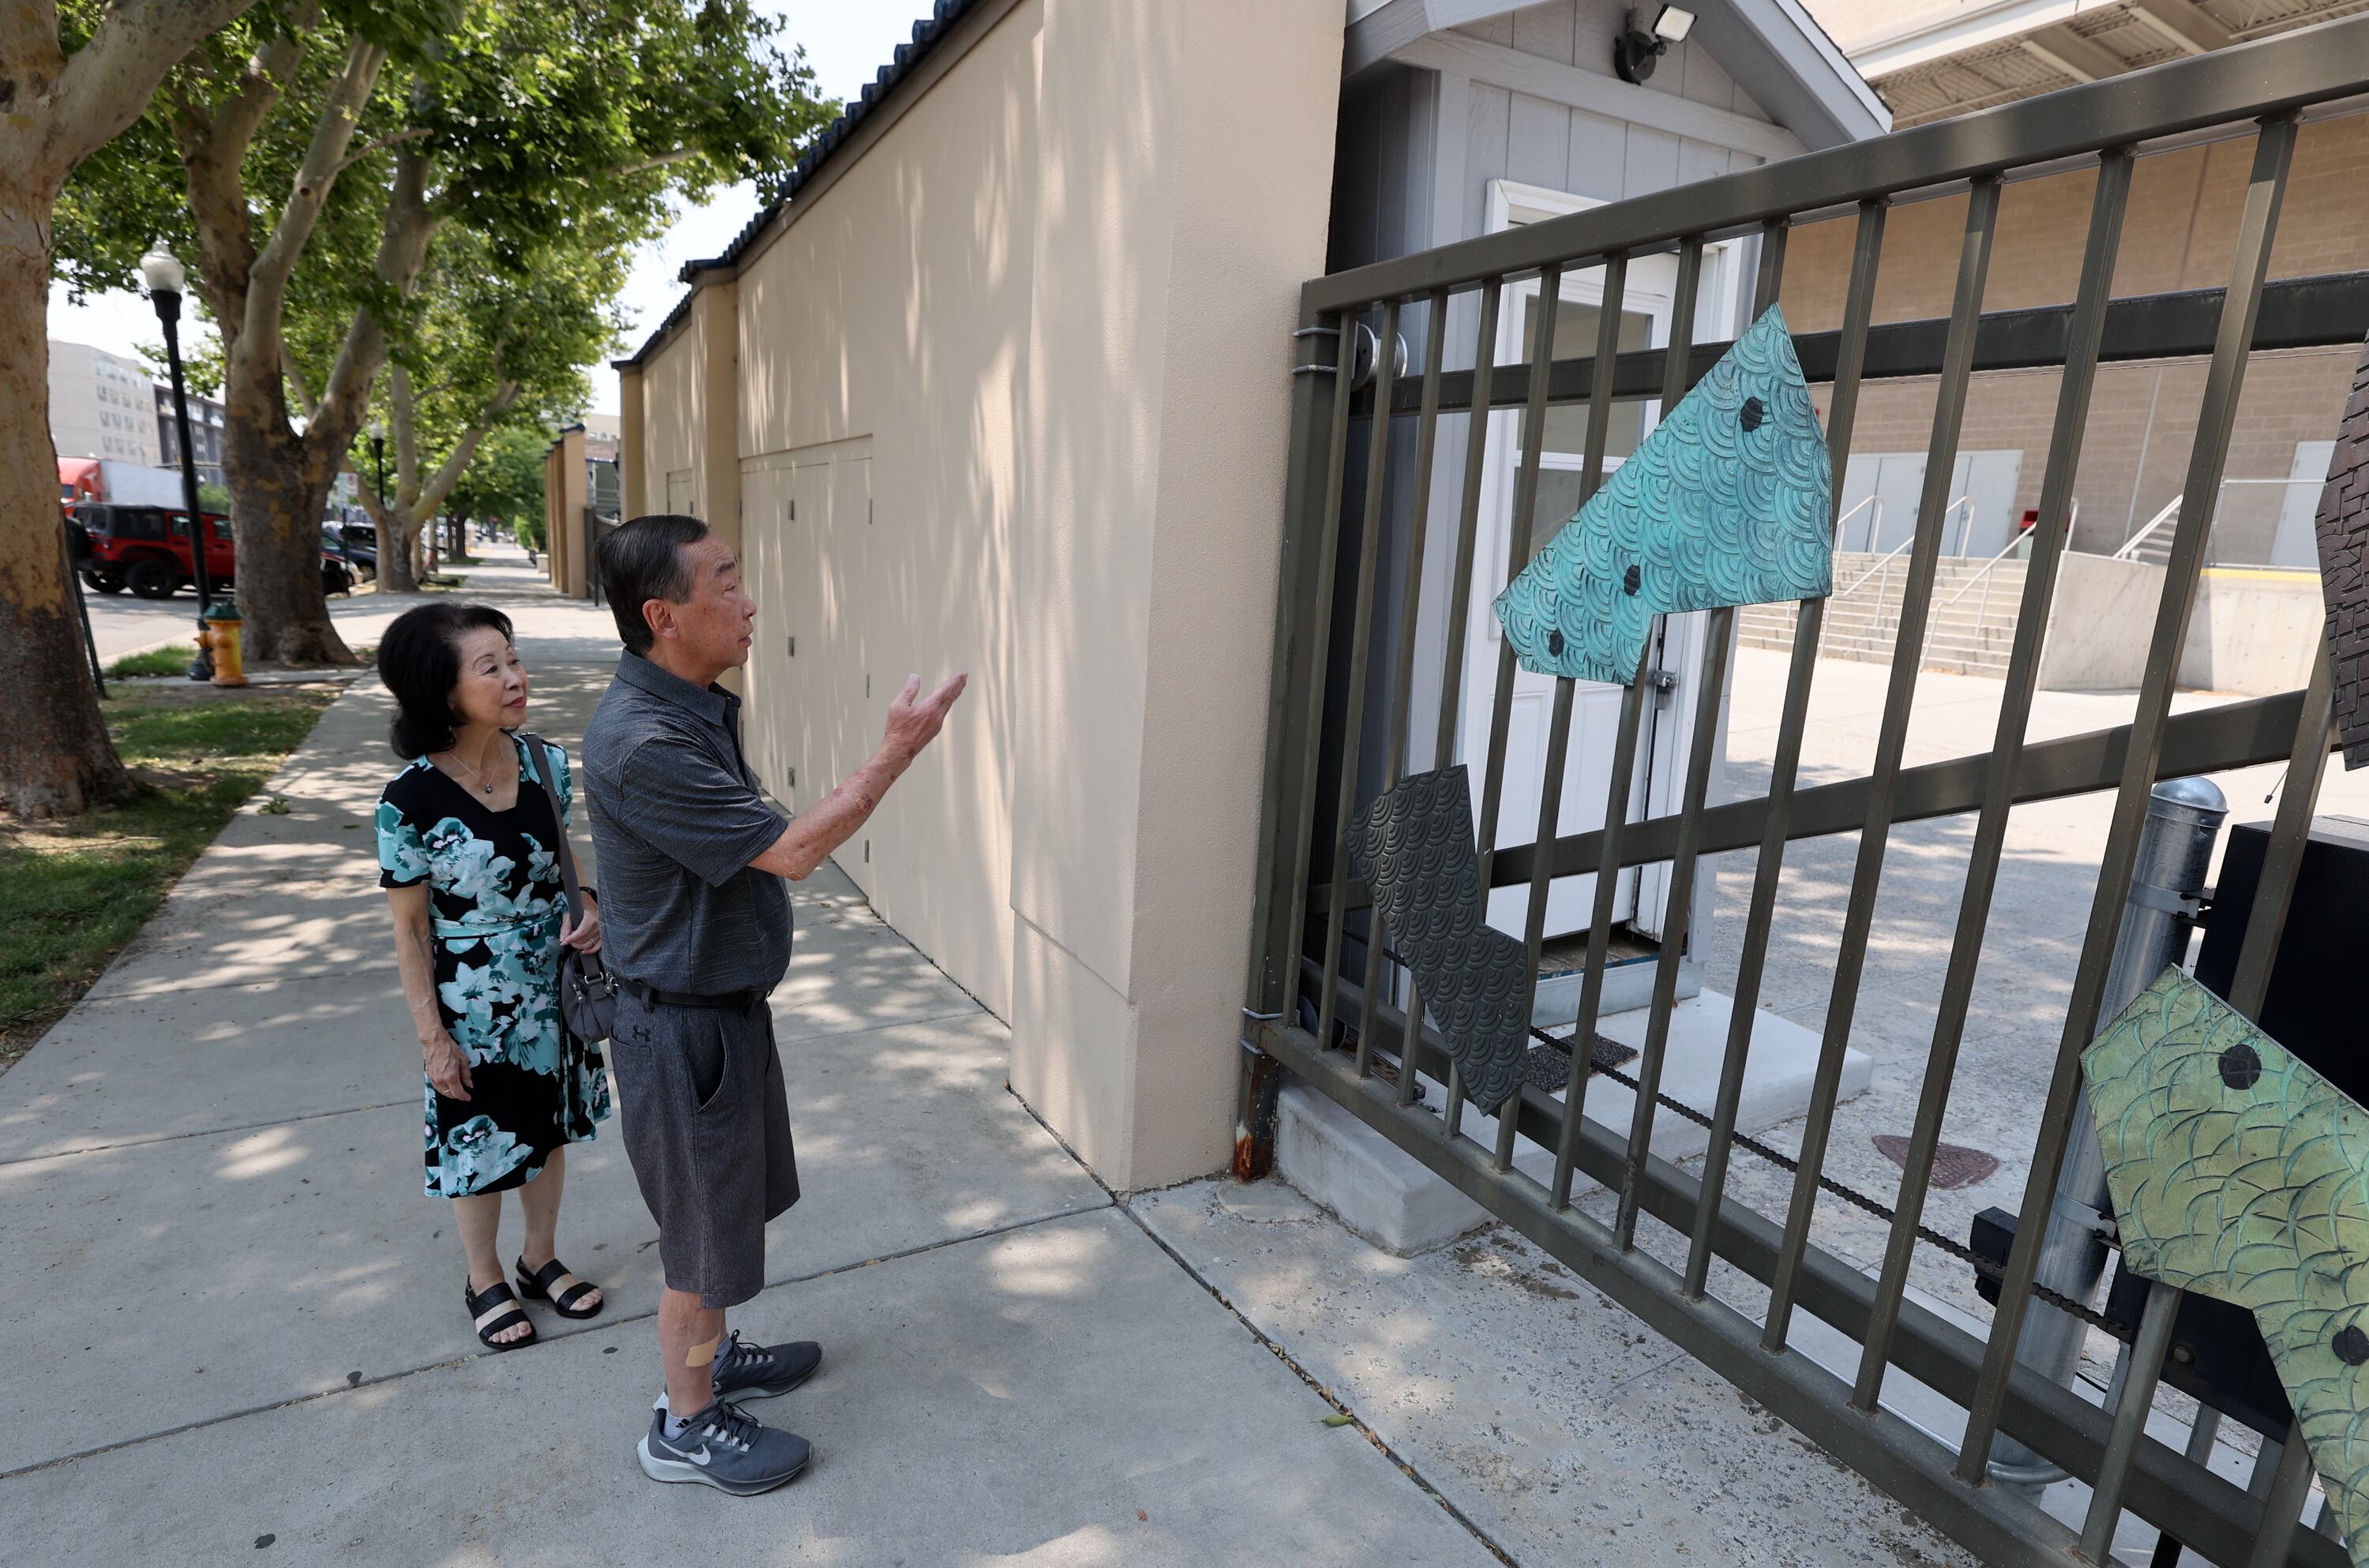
1002,385
101,405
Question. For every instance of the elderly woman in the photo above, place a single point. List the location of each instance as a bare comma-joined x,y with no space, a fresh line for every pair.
468,847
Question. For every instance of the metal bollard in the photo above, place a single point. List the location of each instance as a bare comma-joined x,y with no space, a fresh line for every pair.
2183,821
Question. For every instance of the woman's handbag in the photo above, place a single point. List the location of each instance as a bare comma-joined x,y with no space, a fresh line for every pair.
587,991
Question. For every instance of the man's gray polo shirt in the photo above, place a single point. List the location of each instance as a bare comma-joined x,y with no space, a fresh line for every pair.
677,817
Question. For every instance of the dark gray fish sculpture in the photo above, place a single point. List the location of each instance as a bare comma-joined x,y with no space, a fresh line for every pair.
2342,526
1414,848
1729,501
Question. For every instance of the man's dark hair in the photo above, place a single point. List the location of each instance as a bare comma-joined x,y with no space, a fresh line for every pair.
419,660
643,561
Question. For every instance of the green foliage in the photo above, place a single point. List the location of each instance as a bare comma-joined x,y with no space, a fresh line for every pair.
71,894
505,479
213,497
529,531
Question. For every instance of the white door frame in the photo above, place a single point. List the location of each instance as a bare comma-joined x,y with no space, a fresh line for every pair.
1661,762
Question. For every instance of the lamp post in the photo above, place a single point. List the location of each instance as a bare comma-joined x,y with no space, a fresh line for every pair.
165,279
387,534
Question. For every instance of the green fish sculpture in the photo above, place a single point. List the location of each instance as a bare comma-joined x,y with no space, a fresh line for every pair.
2239,1173
1730,500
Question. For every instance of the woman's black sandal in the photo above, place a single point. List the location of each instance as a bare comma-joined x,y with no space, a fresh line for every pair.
554,1284
497,1310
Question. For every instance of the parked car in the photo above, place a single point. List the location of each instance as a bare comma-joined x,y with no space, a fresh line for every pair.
147,549
355,542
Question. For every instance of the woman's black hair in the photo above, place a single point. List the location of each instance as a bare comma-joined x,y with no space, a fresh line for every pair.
419,660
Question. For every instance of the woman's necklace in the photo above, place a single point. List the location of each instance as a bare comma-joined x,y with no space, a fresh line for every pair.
483,786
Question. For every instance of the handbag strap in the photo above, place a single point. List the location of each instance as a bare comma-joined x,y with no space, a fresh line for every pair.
536,756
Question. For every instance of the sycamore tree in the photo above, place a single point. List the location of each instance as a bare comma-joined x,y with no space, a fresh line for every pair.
309,156
491,342
70,79
504,482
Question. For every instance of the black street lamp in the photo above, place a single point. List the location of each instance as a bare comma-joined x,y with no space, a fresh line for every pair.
165,279
386,535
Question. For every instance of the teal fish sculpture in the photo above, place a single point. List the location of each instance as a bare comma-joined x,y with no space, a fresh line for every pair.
1730,500
2239,1173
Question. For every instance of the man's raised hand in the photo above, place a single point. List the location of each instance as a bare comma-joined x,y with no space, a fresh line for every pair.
914,720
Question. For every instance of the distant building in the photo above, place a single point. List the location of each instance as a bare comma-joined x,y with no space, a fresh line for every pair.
101,406
205,434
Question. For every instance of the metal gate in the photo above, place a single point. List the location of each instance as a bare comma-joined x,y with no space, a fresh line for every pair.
1325,641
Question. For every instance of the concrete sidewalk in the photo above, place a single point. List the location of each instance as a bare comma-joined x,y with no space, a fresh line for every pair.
235,1321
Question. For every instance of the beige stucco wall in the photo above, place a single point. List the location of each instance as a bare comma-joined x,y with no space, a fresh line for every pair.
1050,316
674,381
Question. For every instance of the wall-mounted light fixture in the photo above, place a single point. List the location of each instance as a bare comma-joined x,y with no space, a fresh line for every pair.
1636,50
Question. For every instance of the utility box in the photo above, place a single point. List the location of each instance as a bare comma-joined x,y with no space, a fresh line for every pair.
2313,1006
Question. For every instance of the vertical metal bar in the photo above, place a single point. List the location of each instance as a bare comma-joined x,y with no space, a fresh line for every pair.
2074,388
2282,861
1950,406
2216,416
1678,917
2283,1509
2130,1423
1517,556
1273,960
1719,628
1591,475
1320,636
1361,619
1842,412
1458,610
1426,431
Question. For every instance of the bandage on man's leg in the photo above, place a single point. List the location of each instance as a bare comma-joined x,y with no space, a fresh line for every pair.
688,1337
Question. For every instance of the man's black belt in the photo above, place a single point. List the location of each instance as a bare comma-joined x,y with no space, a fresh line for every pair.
722,1002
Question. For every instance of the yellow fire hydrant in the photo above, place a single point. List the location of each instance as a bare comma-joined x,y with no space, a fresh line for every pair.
219,634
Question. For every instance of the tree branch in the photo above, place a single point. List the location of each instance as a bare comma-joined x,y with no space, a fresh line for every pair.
306,402
432,498
383,143
333,130
662,160
108,82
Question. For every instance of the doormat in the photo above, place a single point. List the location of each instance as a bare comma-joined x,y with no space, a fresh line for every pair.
1954,1164
1548,1068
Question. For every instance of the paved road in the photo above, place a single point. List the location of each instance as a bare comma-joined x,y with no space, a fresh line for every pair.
121,624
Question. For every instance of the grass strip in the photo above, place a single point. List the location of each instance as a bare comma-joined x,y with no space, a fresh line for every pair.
74,892
173,660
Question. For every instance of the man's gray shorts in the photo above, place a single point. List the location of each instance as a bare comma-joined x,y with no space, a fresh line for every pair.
707,1127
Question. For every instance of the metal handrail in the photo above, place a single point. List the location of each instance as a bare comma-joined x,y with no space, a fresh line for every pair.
2130,546
2012,546
1885,563
1874,524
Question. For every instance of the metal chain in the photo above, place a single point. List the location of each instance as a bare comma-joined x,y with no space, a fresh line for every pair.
1955,1248
1926,1233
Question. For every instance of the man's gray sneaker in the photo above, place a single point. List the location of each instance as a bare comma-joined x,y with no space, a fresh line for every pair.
724,1447
760,1371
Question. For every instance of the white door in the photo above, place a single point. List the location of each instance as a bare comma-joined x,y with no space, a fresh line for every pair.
2297,543
1596,707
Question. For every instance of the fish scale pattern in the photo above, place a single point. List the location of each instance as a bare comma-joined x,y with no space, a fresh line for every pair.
1729,501
2342,527
1414,848
2240,1172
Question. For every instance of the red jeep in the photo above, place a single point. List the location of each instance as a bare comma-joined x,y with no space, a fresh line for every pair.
147,549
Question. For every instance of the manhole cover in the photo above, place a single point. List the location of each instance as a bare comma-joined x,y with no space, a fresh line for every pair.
1548,1068
1954,1164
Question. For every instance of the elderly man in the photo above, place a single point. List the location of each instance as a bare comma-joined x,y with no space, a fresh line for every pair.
697,929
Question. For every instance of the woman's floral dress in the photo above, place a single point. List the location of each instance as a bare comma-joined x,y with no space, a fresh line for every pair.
495,898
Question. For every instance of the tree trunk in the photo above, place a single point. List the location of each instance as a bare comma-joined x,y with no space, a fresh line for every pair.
55,758
276,496
395,573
